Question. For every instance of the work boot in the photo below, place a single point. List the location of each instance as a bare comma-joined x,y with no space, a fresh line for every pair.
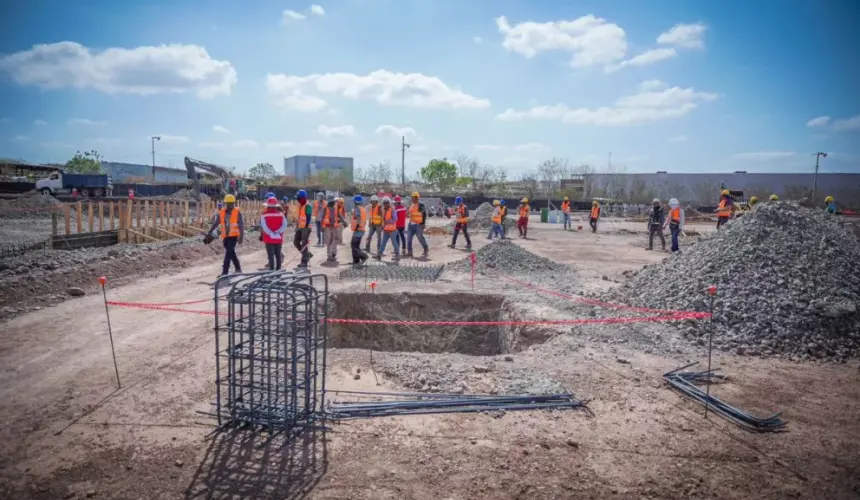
378,256
468,247
426,251
396,258
451,245
408,255
364,258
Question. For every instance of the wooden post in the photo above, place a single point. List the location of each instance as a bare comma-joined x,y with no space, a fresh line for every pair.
80,217
54,217
161,211
138,210
110,214
101,216
186,215
68,216
90,214
150,208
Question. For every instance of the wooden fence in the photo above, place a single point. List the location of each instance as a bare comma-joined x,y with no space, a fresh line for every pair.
139,221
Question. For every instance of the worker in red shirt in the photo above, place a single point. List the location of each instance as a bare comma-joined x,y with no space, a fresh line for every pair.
400,210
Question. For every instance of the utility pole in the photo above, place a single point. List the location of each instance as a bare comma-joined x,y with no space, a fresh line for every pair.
818,156
153,139
403,147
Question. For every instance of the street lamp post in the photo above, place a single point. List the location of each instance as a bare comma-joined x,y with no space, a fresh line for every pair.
818,156
153,139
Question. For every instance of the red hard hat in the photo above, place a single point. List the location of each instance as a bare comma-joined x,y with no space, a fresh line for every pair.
397,199
272,203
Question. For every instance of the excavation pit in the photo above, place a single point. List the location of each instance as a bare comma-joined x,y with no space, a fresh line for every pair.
475,340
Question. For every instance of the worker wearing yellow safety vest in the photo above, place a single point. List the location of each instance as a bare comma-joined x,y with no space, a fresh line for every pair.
232,225
389,230
375,227
565,213
594,216
724,209
417,217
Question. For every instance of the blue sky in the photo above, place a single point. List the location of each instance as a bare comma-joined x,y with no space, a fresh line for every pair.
684,86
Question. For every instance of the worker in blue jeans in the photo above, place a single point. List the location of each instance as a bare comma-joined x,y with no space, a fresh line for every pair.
675,221
417,217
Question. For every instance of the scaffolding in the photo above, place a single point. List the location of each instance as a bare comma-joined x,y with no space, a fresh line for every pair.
270,375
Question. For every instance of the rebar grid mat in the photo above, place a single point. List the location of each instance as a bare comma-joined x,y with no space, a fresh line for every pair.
394,272
271,372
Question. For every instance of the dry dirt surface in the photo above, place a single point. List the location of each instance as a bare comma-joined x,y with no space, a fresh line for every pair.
68,432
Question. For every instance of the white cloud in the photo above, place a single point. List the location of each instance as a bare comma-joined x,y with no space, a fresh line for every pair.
396,131
652,85
40,123
383,86
86,121
590,40
678,138
818,121
762,156
646,106
56,144
211,144
369,147
20,138
107,141
487,147
688,36
846,124
529,146
336,131
290,15
220,130
142,70
244,143
291,144
317,10
477,39
644,59
176,139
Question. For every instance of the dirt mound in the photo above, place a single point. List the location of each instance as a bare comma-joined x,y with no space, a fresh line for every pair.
28,204
506,257
788,283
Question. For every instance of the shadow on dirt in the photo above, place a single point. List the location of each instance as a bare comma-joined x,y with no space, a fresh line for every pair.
246,464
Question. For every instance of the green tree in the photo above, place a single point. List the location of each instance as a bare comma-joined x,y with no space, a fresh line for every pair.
88,162
262,172
440,173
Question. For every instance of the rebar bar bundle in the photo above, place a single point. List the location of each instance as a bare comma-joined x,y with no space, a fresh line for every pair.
271,373
446,403
685,383
394,272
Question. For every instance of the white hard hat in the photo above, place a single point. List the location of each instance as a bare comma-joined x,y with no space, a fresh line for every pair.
374,198
656,200
673,202
386,200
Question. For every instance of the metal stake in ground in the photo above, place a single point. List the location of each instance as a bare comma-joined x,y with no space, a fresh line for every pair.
473,258
712,291
102,282
372,336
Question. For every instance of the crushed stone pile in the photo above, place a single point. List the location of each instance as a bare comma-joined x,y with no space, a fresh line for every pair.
28,204
480,219
506,257
788,282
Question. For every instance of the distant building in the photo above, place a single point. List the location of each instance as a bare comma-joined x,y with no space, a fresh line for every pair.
131,173
302,167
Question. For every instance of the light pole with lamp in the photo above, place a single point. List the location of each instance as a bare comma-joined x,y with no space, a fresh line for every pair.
818,157
153,139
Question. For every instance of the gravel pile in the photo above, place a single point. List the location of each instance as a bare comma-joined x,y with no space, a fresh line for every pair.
28,204
506,257
788,283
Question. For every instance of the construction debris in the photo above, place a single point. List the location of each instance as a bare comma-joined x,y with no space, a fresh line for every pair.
788,281
393,272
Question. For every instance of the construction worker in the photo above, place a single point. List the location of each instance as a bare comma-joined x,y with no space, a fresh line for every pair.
523,218
359,224
565,213
331,221
273,225
462,212
229,219
319,205
304,224
594,216
389,230
830,205
753,201
504,206
285,207
341,213
724,209
496,221
375,224
417,214
774,197
400,208
655,224
675,221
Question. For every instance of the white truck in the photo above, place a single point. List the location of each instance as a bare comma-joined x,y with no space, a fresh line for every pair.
96,185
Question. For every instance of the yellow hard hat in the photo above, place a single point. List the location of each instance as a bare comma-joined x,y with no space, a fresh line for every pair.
774,197
566,198
496,202
753,200
725,192
594,202
229,199
828,199
416,194
524,200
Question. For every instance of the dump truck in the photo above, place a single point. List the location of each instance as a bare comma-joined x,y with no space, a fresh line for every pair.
86,184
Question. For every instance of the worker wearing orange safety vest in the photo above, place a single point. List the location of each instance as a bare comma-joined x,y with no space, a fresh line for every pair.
273,225
318,207
675,221
331,220
523,218
359,223
417,215
304,223
565,213
341,211
389,230
594,216
496,221
375,227
462,213
724,209
232,225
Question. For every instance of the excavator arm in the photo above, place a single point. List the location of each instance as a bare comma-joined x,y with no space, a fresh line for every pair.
192,165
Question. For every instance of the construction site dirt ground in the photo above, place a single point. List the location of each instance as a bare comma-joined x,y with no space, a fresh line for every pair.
68,433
